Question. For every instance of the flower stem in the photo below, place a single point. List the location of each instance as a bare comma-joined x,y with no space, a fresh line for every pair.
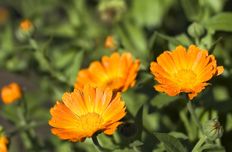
194,116
96,144
199,144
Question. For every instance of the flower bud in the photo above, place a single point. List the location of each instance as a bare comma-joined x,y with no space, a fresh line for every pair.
110,43
196,30
212,129
111,10
25,30
11,93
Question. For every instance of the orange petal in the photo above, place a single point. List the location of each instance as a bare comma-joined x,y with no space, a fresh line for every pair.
220,70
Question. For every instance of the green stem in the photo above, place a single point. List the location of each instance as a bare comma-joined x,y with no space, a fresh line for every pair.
43,62
98,147
199,144
197,41
28,133
194,116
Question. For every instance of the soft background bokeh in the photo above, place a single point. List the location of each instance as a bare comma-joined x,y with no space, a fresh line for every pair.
68,35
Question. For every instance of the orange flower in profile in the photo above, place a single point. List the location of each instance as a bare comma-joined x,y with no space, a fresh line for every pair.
11,93
184,71
115,72
26,25
110,43
85,112
3,143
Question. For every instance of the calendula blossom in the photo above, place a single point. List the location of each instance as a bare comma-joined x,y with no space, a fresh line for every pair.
85,112
117,72
11,93
184,70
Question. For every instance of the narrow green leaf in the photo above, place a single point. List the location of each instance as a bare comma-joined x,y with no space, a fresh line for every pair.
63,59
171,143
75,67
191,9
212,148
162,100
139,122
220,22
136,143
179,135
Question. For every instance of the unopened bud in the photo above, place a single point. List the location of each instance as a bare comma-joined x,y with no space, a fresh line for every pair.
213,129
196,30
110,43
111,10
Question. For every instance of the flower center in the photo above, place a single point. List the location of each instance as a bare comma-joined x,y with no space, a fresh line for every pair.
91,123
185,78
113,83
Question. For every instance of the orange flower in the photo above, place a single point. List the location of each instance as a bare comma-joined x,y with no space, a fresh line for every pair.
26,25
85,112
3,143
116,72
11,93
184,71
4,15
110,43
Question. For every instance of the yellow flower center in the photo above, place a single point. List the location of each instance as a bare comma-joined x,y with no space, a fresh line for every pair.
91,123
185,78
114,82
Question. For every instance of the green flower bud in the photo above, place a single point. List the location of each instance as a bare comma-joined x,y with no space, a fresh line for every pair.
111,10
212,129
196,30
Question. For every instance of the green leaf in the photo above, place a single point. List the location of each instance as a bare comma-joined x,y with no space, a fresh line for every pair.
75,67
133,101
220,22
170,39
162,100
136,143
139,122
228,126
191,9
171,143
133,38
179,135
143,11
60,30
212,148
63,59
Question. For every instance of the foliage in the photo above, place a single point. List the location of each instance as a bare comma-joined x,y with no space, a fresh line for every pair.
68,35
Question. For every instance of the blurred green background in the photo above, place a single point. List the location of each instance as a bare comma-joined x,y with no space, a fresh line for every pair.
67,35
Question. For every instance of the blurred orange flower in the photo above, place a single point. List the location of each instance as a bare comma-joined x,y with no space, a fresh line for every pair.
184,71
26,25
85,112
11,93
110,43
3,143
4,15
116,72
